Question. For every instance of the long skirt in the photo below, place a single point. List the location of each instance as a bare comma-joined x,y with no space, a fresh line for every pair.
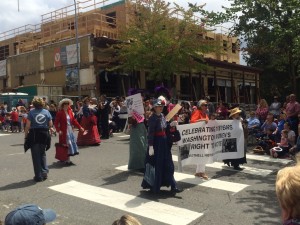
71,142
163,164
137,147
92,136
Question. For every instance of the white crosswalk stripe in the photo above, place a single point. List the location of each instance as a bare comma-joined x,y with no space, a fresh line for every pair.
268,159
246,169
143,207
4,134
212,183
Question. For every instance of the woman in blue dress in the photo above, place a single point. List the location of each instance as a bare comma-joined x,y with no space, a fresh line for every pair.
159,154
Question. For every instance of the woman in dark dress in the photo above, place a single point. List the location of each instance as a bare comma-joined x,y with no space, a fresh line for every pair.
159,153
235,115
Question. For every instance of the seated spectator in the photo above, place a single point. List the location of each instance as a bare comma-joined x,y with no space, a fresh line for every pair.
291,134
296,148
253,123
127,220
288,194
30,214
268,124
267,141
283,147
280,126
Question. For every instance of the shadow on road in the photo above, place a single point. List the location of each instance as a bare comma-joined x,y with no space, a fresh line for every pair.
21,184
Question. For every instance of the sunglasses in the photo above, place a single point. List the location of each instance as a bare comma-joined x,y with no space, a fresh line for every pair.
204,105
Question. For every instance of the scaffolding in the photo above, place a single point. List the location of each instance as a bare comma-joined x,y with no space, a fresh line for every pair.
59,25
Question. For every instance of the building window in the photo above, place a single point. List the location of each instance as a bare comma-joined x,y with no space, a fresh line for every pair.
71,26
4,52
234,47
225,45
111,19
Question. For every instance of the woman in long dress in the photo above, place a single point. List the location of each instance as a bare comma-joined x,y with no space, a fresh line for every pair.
64,123
159,154
138,142
235,115
89,123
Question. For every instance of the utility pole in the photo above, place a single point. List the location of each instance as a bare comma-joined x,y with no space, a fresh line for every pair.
77,50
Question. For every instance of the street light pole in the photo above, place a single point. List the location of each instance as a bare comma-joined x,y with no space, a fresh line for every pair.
77,50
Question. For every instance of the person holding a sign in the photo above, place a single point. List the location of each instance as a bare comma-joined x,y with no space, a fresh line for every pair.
235,115
159,164
138,142
201,114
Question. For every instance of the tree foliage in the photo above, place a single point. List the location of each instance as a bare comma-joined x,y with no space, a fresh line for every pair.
163,40
271,31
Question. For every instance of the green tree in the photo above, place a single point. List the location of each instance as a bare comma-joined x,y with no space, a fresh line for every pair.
163,40
270,29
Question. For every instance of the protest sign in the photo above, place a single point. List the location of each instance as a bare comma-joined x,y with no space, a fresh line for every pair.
135,102
173,112
217,140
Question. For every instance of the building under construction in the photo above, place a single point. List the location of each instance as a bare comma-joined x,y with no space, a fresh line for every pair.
46,55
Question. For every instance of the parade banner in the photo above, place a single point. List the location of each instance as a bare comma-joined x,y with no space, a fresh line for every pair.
217,140
135,102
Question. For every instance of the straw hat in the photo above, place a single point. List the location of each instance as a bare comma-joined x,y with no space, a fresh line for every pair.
234,111
65,100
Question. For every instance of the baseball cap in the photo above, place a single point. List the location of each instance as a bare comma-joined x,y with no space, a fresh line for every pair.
29,214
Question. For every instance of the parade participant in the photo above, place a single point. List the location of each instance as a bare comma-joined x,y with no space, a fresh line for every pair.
30,214
64,123
147,109
37,138
222,111
103,110
235,115
14,120
200,115
138,142
210,106
159,156
115,111
288,194
89,123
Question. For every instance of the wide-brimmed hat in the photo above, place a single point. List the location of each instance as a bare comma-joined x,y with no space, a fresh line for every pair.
65,100
234,111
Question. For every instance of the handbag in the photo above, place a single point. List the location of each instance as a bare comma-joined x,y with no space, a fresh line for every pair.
149,176
175,135
61,152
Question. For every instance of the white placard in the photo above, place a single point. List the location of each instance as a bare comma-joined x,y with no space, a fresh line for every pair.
217,140
135,102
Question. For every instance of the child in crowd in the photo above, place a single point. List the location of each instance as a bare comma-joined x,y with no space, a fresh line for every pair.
283,146
267,141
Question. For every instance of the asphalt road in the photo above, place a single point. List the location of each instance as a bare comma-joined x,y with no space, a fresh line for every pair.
95,192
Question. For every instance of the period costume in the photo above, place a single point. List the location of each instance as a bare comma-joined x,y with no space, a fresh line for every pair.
138,144
161,158
64,123
89,123
237,162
